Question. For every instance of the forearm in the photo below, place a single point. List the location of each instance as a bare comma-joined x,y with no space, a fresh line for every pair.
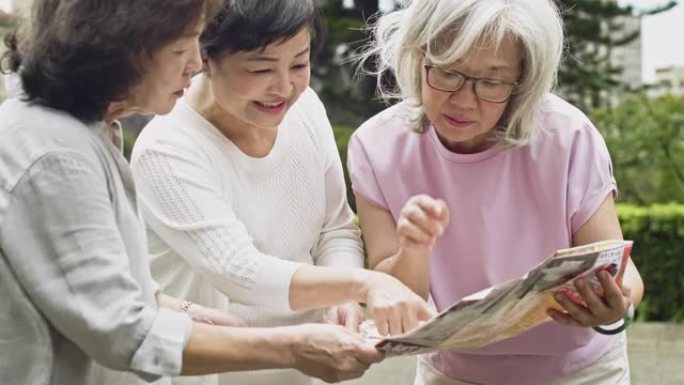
318,287
213,349
412,270
633,281
168,302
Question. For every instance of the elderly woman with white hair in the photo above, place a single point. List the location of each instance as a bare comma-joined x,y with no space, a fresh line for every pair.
479,173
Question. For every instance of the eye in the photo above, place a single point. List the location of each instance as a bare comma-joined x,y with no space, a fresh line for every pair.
300,66
260,71
180,51
489,83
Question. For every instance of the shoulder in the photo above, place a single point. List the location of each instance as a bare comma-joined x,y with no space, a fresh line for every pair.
563,124
389,127
560,117
181,131
32,131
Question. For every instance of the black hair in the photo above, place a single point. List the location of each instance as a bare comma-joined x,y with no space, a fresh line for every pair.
246,25
79,56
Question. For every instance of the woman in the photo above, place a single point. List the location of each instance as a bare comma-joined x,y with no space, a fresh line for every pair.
479,174
79,304
242,190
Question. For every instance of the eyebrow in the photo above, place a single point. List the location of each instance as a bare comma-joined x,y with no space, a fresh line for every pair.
272,59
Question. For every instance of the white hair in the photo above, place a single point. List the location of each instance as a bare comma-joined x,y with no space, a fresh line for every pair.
444,31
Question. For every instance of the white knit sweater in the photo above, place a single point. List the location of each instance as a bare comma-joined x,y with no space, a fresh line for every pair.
228,230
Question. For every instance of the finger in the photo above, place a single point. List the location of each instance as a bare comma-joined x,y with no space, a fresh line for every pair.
353,318
410,234
410,319
419,216
368,354
435,208
562,318
578,312
614,296
381,323
332,316
395,320
444,213
426,312
595,304
421,232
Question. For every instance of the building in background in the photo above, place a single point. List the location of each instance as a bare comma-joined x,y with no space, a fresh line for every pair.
628,57
669,81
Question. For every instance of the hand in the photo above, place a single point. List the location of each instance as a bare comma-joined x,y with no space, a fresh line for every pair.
348,315
599,310
421,221
214,316
394,307
332,353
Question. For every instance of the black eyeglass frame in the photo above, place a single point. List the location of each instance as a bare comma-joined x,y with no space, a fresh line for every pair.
513,85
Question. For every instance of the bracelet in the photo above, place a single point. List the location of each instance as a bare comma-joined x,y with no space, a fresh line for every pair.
626,321
184,306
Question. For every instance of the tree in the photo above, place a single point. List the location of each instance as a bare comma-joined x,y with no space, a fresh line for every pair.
646,141
350,99
594,29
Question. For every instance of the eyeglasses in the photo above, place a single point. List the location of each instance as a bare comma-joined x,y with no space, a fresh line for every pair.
491,90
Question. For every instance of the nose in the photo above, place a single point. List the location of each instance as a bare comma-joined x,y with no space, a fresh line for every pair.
282,84
195,63
465,97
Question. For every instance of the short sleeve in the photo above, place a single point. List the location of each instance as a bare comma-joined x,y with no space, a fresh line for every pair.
590,176
363,179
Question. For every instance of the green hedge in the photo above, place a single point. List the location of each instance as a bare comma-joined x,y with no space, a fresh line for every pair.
658,234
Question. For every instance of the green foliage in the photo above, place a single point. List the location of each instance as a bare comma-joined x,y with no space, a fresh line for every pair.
646,141
658,234
350,99
342,136
591,30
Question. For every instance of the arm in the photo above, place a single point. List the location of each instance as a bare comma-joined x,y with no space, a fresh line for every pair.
199,313
323,351
61,239
403,249
183,203
339,243
603,225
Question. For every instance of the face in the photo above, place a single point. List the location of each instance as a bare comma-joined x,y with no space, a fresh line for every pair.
463,121
168,74
254,89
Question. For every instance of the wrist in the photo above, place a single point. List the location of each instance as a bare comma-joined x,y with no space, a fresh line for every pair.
292,341
626,321
362,280
185,306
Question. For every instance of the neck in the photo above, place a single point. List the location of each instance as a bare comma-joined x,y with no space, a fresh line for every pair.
118,110
253,141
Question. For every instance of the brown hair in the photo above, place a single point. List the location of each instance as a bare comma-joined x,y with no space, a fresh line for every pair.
81,55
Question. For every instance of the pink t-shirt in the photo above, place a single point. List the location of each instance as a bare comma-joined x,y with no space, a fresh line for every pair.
510,209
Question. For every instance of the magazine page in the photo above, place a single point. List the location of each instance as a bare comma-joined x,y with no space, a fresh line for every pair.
508,309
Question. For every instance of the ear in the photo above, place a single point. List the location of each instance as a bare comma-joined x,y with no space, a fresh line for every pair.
205,63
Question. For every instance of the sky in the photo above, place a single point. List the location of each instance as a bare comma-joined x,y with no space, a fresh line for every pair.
658,33
661,37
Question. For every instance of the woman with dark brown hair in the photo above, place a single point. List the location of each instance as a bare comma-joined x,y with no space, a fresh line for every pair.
79,305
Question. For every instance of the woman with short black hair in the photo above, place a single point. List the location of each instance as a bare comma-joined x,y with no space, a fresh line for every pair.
242,188
79,303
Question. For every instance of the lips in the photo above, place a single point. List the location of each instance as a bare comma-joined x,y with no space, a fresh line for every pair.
458,120
273,105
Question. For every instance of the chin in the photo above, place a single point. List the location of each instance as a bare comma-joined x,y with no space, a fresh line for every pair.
163,109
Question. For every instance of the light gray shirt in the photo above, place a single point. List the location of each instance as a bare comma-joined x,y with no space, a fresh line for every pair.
77,302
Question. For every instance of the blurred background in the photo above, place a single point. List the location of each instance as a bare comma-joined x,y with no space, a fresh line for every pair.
624,66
